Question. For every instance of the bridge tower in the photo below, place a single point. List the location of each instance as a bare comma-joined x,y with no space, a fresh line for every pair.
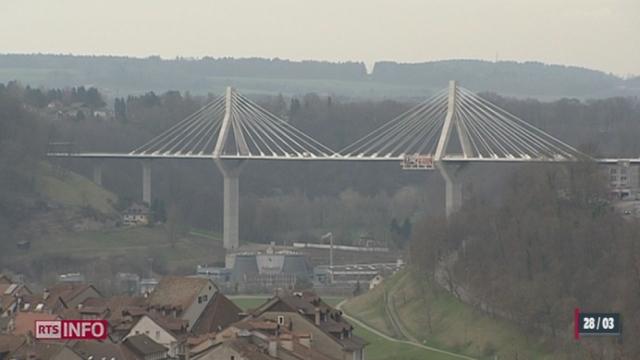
230,170
452,174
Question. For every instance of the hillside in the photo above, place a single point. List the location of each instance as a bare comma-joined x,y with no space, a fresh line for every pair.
435,318
118,76
71,189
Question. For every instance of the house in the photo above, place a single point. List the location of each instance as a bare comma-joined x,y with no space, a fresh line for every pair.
306,313
377,280
96,350
236,349
136,214
143,348
44,350
256,339
66,296
23,322
167,331
121,311
11,295
182,297
71,278
624,181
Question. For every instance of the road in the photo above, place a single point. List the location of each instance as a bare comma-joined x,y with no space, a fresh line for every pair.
389,338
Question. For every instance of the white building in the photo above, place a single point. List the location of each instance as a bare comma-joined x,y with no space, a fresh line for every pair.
377,280
136,214
624,180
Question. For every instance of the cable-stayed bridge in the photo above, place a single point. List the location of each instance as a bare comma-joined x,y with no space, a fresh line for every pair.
451,128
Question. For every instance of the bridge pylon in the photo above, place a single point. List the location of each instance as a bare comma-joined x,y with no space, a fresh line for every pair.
452,174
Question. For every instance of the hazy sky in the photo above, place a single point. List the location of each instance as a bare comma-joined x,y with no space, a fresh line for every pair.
600,34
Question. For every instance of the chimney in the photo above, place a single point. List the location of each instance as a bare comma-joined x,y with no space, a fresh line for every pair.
317,321
273,348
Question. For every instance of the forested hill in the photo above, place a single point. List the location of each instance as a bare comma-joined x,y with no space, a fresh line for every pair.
124,75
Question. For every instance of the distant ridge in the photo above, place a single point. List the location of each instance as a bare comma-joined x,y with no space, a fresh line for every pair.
120,75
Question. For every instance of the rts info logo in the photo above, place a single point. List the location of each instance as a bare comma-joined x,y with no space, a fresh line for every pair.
71,330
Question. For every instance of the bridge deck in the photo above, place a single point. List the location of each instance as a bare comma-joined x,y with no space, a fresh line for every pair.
336,157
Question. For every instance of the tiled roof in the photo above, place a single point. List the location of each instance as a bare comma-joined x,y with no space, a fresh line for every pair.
119,307
4,279
247,349
217,315
177,327
306,304
177,291
66,292
99,350
39,350
10,343
256,325
303,352
143,345
25,321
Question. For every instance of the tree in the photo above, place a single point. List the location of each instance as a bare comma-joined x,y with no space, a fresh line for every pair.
93,99
158,211
175,224
302,283
357,290
120,109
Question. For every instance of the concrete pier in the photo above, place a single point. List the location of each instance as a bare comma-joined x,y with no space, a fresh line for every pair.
97,172
231,223
146,181
453,179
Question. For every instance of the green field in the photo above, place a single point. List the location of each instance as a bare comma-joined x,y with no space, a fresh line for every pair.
139,242
380,348
436,318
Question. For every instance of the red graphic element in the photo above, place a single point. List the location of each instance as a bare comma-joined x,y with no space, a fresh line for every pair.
71,330
576,324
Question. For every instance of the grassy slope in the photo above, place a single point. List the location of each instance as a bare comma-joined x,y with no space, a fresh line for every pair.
141,242
71,189
454,326
74,191
382,349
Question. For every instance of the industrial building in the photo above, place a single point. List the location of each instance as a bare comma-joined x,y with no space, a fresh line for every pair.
259,271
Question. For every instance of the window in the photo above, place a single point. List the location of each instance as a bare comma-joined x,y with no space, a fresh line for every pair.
205,297
157,334
614,171
280,320
199,299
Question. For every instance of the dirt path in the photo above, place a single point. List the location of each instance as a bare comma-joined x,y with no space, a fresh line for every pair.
389,338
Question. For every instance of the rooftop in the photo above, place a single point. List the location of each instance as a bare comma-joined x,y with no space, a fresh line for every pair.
177,292
143,345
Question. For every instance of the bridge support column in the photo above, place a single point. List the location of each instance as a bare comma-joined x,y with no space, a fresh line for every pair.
231,222
146,181
97,172
453,179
